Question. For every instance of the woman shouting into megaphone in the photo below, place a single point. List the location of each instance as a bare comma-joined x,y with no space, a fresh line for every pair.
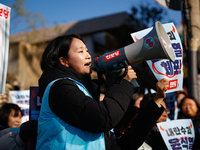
71,115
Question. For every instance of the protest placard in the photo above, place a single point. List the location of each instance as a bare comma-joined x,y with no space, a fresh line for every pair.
163,68
177,134
35,103
21,98
4,44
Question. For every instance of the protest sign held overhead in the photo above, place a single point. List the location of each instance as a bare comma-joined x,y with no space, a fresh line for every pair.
163,68
21,98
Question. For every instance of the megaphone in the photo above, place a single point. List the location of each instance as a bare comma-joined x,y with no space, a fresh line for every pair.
155,45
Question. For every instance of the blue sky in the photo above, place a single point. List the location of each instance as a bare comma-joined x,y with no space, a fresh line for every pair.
63,11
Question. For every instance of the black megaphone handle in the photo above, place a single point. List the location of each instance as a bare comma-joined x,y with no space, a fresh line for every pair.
134,83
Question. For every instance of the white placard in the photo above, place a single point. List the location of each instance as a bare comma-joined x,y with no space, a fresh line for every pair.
163,68
4,44
177,134
21,98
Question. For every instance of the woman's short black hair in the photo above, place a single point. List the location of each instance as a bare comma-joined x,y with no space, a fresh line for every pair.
5,110
58,47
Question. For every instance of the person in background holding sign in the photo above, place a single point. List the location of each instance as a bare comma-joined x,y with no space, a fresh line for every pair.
154,139
132,132
190,109
13,134
71,106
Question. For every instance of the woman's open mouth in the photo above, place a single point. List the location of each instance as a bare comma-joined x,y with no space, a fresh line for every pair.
88,64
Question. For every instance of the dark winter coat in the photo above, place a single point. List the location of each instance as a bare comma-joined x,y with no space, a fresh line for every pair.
74,107
155,140
140,126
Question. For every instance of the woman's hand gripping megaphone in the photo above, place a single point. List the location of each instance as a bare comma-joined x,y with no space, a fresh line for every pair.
128,74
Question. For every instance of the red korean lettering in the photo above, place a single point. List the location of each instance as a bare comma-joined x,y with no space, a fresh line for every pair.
112,55
173,84
6,14
1,11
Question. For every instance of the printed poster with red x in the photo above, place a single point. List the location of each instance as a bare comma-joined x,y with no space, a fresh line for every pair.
4,44
164,68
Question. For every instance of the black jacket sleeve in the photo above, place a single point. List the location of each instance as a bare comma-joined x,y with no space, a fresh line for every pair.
79,110
140,127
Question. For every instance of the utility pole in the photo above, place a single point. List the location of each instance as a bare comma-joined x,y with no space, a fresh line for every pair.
191,20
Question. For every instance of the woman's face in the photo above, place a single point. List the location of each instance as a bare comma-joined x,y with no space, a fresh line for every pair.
189,107
79,58
14,121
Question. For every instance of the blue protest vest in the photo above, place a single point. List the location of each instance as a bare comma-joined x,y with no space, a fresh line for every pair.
55,134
